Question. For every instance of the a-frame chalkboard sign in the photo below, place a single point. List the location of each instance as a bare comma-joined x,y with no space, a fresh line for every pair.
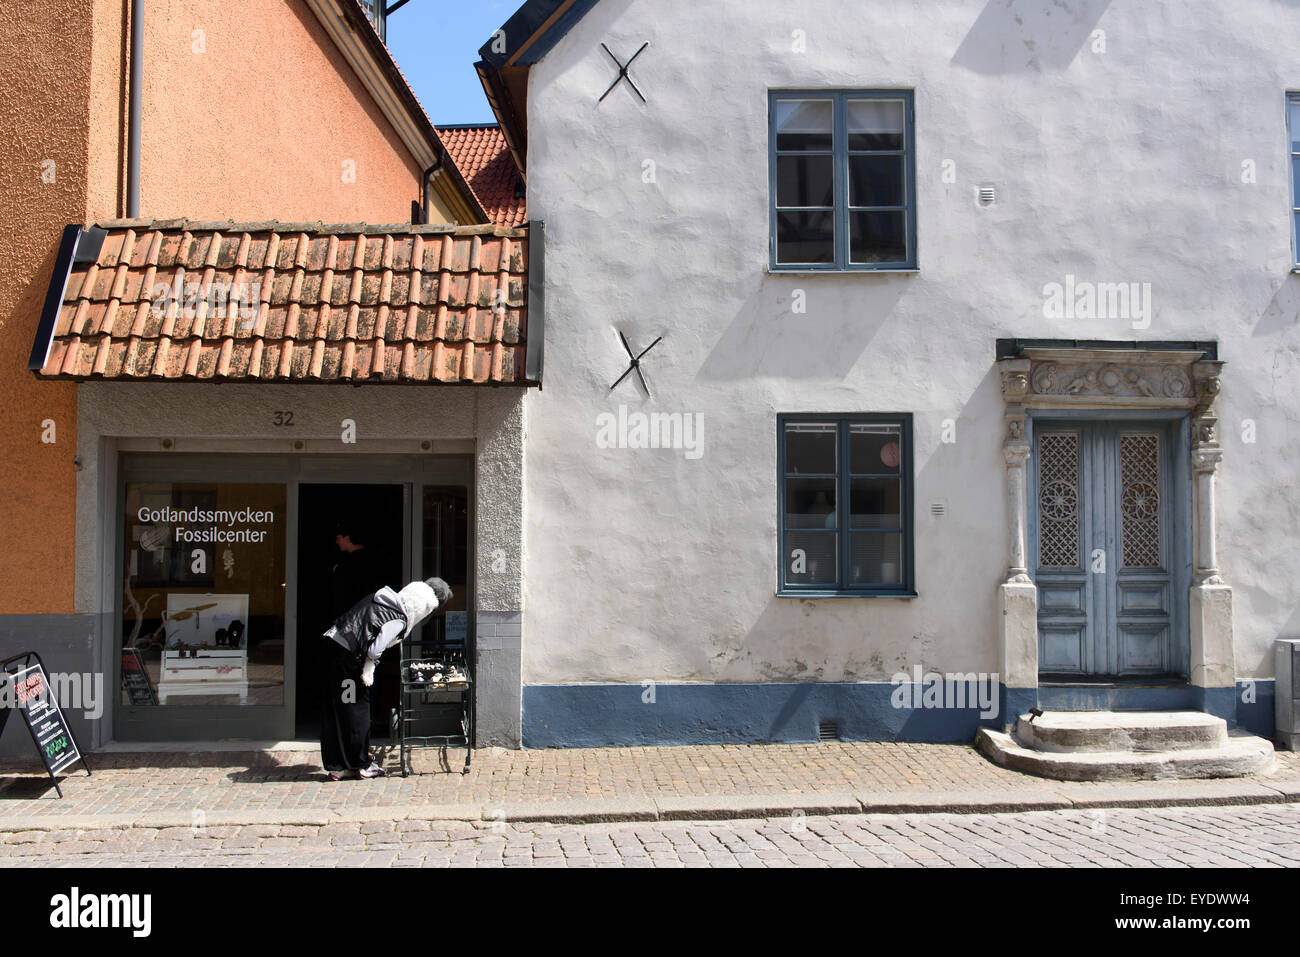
27,688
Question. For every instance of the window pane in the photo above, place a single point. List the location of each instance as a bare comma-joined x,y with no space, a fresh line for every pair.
876,559
1295,181
875,124
810,558
803,124
876,503
877,237
874,449
810,448
1295,126
805,181
203,594
805,237
810,503
876,181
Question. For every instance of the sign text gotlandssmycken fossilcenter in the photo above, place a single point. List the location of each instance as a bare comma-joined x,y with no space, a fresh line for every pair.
200,525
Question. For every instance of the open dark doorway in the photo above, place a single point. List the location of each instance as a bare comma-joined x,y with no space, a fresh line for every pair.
350,542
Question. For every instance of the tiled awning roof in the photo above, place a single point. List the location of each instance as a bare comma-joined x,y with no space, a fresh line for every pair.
481,154
278,302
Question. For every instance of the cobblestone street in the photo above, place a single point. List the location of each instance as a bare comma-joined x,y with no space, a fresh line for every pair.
1257,836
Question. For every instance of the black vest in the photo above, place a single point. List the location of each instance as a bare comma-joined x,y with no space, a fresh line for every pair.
361,624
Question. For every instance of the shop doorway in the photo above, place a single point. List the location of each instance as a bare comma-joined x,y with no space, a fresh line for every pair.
350,542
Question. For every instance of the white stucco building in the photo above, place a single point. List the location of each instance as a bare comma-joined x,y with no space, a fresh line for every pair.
980,323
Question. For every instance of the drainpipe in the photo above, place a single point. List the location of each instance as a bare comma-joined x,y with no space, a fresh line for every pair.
137,92
424,184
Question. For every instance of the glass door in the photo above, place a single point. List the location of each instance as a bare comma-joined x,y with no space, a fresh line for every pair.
446,521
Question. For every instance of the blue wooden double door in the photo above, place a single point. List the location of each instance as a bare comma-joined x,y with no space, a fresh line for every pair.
1111,548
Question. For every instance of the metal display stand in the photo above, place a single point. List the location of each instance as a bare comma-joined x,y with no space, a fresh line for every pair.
427,707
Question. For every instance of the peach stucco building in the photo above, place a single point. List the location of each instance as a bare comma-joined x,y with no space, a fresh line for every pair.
262,123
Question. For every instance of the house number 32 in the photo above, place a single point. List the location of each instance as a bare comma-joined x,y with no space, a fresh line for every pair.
282,418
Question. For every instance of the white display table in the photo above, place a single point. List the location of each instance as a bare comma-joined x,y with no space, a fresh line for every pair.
212,671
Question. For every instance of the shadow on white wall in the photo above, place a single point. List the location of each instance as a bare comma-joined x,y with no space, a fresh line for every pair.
1029,36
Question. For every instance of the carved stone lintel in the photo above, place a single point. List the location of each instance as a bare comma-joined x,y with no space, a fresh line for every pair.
1110,379
1134,378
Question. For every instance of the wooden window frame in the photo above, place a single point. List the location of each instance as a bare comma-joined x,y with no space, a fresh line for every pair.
841,153
906,588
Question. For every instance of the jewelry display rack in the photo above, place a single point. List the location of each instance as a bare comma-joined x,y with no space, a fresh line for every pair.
432,707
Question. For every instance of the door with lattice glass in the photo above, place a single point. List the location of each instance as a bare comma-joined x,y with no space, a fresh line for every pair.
1104,549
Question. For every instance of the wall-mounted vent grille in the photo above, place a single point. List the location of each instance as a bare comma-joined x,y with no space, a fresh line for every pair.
828,730
938,509
987,195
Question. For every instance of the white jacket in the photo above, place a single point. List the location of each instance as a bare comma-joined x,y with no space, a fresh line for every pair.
418,602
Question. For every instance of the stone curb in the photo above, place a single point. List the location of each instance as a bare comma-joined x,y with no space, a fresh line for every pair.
702,808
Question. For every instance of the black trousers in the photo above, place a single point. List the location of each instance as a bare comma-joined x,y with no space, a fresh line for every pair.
345,712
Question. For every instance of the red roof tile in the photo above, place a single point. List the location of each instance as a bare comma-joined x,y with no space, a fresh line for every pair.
482,156
296,302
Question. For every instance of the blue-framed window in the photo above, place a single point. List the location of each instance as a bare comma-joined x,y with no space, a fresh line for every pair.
1293,138
845,504
842,180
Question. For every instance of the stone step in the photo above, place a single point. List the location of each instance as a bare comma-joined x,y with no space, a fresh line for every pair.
1082,731
1238,756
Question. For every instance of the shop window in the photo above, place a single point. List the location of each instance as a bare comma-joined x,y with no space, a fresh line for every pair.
203,592
845,505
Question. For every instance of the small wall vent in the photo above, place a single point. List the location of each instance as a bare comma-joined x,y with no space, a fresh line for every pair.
987,195
938,509
828,730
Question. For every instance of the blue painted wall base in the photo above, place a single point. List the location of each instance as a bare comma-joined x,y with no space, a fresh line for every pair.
584,716
611,715
1015,702
1255,706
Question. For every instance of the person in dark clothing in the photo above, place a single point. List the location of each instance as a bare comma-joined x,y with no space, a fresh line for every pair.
357,572
354,645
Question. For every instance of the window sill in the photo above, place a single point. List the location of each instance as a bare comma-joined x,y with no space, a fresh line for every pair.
771,271
846,594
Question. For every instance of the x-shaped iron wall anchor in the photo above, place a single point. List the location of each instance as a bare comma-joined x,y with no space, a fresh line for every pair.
635,364
622,73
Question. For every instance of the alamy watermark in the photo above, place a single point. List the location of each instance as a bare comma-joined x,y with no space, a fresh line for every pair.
1082,299
221,299
74,691
948,691
651,430
76,909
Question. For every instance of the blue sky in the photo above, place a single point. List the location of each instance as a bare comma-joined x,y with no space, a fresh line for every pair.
436,42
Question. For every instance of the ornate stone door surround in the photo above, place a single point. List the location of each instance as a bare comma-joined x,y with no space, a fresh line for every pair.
1102,377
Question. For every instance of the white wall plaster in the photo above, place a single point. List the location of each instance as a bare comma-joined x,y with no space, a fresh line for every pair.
1122,166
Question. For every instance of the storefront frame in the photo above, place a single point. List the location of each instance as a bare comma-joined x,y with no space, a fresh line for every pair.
263,722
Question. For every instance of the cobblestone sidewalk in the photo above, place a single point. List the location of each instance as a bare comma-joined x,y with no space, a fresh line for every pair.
287,786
